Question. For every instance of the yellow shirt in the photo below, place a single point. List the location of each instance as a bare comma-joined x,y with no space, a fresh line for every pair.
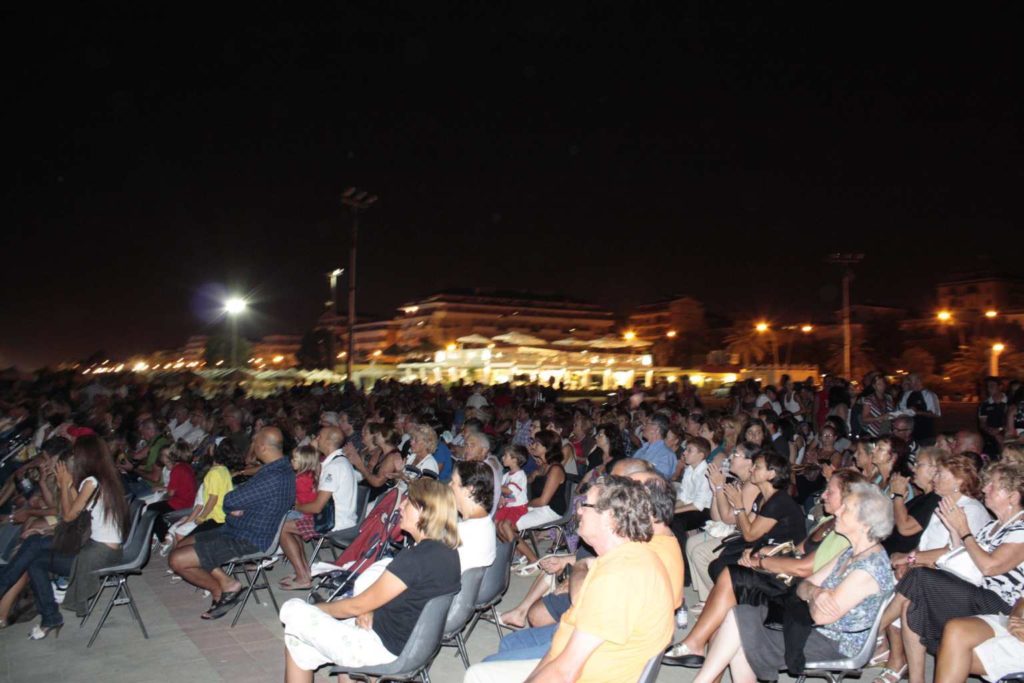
671,555
217,482
627,601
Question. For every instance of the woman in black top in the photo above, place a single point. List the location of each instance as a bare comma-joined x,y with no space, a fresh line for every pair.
778,517
547,502
608,448
373,627
912,516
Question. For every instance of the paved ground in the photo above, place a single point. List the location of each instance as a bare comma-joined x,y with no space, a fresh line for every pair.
182,647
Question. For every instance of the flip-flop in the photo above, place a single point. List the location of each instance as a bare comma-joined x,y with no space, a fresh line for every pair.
510,627
224,605
287,579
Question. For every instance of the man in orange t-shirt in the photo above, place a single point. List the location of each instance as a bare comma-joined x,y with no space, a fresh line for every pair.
623,614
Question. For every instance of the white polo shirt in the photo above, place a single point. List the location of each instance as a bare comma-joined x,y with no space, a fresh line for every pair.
338,476
695,488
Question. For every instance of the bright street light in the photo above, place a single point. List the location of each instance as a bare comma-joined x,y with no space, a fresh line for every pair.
234,305
944,316
807,328
761,327
993,361
630,335
671,334
991,314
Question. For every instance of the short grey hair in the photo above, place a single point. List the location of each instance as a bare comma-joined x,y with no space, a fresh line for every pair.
874,510
481,438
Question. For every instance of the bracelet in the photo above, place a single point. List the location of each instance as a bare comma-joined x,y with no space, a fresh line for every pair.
966,536
912,558
719,488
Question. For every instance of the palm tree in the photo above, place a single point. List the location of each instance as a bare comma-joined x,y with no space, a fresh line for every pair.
970,363
746,342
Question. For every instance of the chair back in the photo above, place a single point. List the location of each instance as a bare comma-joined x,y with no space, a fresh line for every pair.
464,604
277,537
135,553
859,660
496,576
362,495
424,642
650,672
135,508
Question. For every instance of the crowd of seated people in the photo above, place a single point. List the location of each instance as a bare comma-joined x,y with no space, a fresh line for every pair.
800,507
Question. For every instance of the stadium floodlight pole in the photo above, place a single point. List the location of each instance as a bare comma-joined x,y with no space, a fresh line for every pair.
356,201
234,307
332,277
847,261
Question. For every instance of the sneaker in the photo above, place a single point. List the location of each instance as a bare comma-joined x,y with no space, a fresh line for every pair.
697,609
165,549
682,617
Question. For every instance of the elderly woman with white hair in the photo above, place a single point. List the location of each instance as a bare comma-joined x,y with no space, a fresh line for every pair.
842,600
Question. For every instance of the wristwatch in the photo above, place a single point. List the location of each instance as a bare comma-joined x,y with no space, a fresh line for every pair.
894,496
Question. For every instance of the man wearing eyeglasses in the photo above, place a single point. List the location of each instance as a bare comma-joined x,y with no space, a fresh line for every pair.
603,638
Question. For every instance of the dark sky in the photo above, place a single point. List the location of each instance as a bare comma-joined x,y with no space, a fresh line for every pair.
616,152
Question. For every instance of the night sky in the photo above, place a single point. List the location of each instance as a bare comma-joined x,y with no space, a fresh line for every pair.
615,152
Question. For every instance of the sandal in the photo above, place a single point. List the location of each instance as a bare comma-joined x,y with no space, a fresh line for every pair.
287,579
891,675
222,606
880,656
505,624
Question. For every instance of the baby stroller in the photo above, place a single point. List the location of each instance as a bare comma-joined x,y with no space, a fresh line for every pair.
378,534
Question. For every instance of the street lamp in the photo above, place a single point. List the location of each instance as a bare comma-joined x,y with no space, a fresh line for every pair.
807,329
234,307
762,328
993,360
356,201
671,334
332,277
944,316
991,314
630,335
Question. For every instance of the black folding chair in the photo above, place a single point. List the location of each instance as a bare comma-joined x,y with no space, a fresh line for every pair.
259,580
342,538
414,661
462,610
134,558
492,588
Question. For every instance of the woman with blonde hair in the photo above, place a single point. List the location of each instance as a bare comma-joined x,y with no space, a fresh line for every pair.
373,626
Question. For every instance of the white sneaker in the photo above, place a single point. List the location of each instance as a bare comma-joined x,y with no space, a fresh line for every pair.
682,617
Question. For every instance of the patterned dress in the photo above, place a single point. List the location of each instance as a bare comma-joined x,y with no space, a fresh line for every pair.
937,596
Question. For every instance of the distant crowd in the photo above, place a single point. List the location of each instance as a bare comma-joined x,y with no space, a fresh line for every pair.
801,516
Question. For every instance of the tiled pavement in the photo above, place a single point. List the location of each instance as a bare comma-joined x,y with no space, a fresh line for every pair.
182,647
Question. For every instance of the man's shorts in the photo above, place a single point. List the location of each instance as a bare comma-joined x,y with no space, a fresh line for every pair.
216,547
557,604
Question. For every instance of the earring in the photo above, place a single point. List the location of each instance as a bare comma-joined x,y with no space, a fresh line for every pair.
956,490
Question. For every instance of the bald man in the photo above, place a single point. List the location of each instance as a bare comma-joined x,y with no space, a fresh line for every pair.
254,512
337,486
